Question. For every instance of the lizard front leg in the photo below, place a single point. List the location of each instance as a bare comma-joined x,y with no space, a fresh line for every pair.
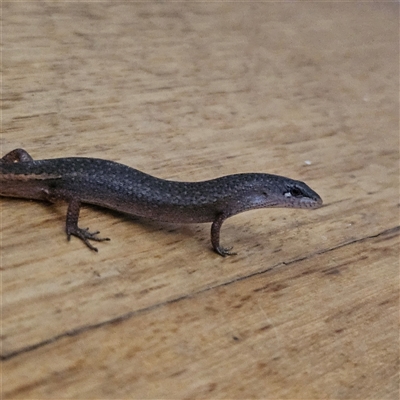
215,236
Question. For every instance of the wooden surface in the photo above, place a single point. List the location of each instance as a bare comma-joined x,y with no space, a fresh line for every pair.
309,307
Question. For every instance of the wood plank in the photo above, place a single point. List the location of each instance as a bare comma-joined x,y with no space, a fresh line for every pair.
301,328
309,306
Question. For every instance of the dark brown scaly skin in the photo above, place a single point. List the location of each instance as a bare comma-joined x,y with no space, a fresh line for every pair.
116,186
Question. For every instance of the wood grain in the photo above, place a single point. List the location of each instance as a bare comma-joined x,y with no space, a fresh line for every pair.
309,307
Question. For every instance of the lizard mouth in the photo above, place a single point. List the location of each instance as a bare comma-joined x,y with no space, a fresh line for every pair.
311,203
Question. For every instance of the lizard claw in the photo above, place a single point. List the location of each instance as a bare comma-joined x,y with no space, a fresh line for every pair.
222,251
85,235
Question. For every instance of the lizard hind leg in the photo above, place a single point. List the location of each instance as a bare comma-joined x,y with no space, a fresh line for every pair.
16,156
73,229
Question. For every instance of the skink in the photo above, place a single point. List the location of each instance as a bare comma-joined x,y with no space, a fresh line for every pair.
118,187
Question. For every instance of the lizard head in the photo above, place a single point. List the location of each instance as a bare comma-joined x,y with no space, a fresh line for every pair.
265,190
280,192
296,194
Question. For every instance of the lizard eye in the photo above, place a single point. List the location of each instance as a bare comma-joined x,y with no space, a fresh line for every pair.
295,192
